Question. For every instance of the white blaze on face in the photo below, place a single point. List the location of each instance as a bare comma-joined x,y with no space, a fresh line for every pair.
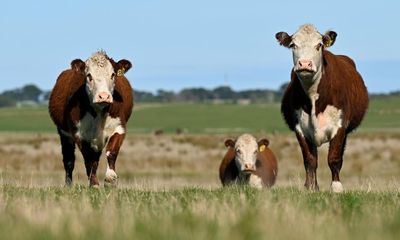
246,149
99,78
307,53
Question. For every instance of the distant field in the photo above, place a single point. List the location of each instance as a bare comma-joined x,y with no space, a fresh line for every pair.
201,118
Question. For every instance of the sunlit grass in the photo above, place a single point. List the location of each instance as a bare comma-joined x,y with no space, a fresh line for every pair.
196,213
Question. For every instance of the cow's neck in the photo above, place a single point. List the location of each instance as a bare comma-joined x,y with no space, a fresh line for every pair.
310,85
244,177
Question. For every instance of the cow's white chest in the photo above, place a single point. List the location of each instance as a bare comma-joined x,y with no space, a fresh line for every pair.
255,181
252,180
319,128
97,130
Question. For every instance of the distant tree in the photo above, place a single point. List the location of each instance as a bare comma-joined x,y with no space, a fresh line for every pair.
142,96
194,94
224,92
6,102
29,92
165,96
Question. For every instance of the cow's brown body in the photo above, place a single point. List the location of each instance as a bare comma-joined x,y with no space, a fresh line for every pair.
266,168
342,87
69,104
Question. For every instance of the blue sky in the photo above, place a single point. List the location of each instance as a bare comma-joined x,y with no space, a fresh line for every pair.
176,44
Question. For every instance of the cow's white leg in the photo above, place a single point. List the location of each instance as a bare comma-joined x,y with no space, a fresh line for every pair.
255,181
111,178
113,147
335,159
336,187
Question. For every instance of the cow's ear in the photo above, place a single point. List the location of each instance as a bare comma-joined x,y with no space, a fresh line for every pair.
263,142
229,143
78,66
123,66
329,38
284,39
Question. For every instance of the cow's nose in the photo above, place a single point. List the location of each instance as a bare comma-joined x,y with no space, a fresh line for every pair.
305,64
104,97
249,167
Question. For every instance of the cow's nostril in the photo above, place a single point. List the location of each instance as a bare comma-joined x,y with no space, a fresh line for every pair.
104,97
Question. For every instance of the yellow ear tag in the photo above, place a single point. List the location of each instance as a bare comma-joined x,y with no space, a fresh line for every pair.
329,43
262,148
120,72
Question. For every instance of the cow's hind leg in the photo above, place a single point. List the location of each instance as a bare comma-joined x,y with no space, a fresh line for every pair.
335,158
310,158
91,158
112,150
68,152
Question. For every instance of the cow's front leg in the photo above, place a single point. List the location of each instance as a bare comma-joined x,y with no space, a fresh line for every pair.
310,158
68,152
112,150
335,158
91,158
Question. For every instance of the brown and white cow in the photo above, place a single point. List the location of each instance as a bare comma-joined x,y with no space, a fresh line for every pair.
248,162
325,100
91,104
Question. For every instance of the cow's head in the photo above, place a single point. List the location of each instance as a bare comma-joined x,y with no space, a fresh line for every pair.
100,72
307,45
246,150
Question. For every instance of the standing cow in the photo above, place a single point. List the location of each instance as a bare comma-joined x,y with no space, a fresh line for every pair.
325,100
91,104
248,162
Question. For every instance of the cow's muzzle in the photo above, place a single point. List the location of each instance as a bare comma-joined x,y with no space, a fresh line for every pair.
249,168
103,98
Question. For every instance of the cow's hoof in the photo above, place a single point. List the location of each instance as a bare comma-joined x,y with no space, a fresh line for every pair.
111,179
336,187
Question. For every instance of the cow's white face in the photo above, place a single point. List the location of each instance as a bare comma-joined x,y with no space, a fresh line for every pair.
307,45
246,149
100,77
307,51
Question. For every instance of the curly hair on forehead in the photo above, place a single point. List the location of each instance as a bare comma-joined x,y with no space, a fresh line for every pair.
99,59
246,139
307,28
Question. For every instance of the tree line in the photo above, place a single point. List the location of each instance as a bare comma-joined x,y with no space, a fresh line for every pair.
32,95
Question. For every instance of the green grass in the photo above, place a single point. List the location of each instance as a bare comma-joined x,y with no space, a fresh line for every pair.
202,118
209,118
195,213
25,120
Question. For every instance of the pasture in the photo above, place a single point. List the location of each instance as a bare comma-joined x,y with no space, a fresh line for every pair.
383,115
169,186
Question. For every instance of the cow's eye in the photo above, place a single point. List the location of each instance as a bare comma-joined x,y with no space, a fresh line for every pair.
112,75
255,152
238,151
89,77
318,47
292,45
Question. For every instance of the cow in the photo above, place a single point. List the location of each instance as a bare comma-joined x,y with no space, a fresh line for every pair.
325,100
90,104
248,162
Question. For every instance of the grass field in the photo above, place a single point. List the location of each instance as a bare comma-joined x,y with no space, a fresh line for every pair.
196,213
202,118
169,186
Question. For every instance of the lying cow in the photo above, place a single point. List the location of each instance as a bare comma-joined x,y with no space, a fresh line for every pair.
325,100
248,162
91,104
